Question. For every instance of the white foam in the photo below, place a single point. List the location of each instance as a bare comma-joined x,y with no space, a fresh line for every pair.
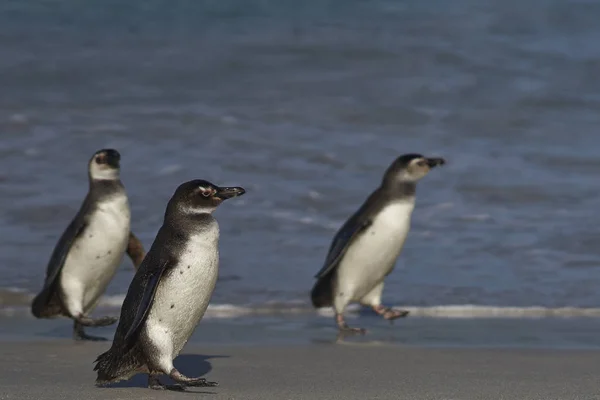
320,222
228,310
170,169
15,301
19,119
477,311
229,120
313,194
470,311
445,311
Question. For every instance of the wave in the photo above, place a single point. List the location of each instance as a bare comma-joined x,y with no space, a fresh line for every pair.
15,302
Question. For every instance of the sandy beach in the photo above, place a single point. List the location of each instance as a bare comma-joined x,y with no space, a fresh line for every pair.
61,369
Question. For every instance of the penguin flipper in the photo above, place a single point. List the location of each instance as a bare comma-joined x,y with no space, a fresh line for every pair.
135,250
145,303
350,231
42,305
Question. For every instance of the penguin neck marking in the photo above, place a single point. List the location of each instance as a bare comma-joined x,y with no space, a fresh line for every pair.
101,174
103,190
198,211
399,189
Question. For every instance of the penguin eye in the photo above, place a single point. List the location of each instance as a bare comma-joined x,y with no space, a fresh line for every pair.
205,192
421,163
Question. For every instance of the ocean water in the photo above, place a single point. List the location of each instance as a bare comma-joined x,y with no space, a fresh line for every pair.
305,104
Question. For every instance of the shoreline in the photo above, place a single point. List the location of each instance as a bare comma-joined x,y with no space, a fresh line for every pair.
63,369
292,330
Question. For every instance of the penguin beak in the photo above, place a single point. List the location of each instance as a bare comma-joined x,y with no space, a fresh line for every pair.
434,162
229,192
113,158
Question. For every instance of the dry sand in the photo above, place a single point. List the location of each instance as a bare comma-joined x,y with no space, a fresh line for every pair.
62,369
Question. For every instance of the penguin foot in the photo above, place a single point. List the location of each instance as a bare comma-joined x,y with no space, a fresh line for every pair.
186,381
390,313
103,321
201,382
79,334
154,384
352,331
345,329
90,338
175,388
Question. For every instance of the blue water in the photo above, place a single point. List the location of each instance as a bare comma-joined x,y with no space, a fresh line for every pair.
305,104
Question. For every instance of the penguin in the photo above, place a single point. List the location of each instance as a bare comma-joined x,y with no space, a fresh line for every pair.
87,256
170,292
365,249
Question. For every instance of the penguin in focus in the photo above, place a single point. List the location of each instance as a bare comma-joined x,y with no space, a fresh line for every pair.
87,256
170,292
365,249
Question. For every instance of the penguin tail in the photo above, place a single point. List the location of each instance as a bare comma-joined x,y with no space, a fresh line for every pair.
115,365
46,305
321,294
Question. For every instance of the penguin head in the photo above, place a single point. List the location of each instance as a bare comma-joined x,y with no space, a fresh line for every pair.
105,165
411,167
200,196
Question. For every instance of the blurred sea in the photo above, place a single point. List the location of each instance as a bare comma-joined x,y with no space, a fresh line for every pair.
305,104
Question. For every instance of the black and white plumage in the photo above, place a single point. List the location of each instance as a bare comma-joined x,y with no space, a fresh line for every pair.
365,250
170,291
90,250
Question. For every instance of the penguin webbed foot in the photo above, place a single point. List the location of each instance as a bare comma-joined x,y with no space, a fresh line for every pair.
102,321
345,329
80,335
159,386
201,382
390,313
154,384
89,338
191,382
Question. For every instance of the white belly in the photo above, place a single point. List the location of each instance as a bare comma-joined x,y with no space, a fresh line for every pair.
183,295
373,255
96,255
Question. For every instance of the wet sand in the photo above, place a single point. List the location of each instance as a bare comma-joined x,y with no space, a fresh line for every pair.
61,369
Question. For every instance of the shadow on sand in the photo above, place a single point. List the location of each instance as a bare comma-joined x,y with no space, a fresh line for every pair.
192,365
